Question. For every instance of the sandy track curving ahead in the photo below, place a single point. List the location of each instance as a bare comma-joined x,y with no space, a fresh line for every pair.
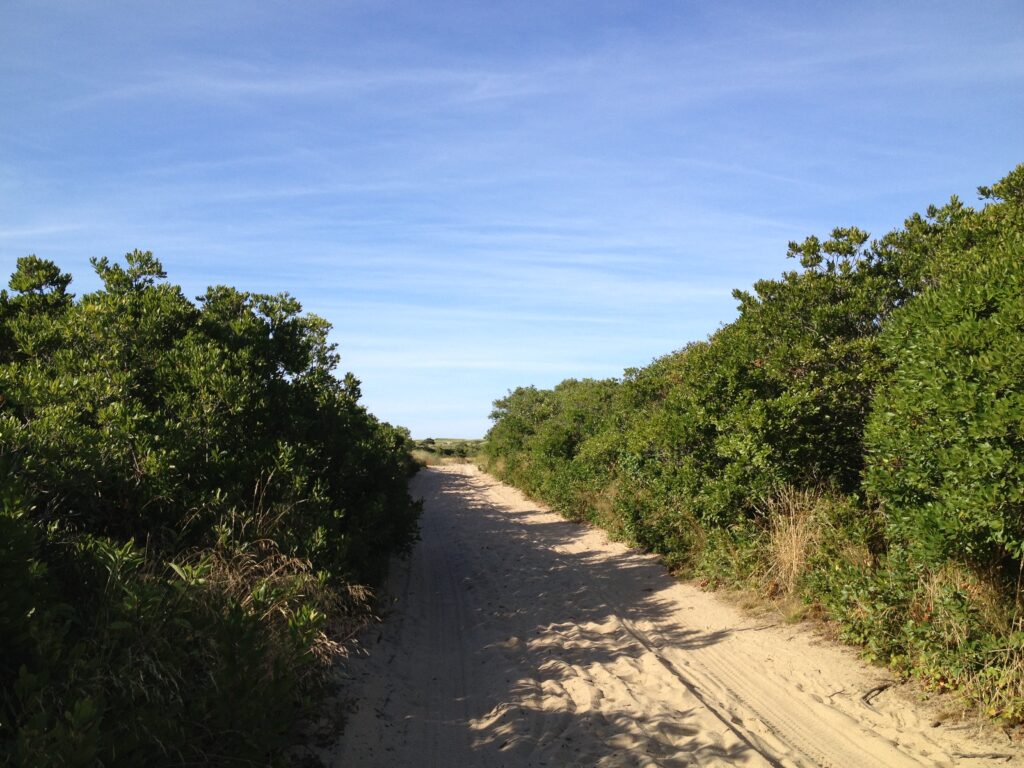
519,639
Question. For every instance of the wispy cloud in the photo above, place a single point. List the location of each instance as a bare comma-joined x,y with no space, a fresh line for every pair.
219,79
485,195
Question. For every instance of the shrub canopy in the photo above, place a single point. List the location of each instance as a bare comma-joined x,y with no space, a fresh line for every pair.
188,493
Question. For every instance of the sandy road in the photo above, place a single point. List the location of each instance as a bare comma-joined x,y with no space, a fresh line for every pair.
519,639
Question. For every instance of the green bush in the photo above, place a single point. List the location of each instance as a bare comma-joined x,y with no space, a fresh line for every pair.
189,497
946,441
881,386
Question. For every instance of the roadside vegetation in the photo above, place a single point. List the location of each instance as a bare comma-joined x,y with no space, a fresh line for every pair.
191,507
433,451
853,441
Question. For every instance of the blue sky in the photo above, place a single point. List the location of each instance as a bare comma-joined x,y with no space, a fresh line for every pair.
480,195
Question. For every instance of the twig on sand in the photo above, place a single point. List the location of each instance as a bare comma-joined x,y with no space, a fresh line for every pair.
983,756
875,692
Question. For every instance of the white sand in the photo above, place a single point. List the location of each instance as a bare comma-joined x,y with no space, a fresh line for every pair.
519,639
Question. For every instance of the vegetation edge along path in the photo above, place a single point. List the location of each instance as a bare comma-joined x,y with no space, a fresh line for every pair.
853,443
518,638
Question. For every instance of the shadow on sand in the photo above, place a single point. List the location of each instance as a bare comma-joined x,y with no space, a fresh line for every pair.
550,668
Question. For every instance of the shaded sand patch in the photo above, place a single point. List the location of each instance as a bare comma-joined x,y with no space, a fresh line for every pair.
516,638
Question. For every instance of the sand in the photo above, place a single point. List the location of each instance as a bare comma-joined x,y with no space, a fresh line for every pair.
515,638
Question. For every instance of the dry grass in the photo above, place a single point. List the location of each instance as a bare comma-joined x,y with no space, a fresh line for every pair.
282,590
433,459
495,467
999,685
793,532
426,458
984,592
600,510
248,568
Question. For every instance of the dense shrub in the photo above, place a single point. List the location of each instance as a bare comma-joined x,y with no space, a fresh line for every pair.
882,384
946,463
189,496
947,436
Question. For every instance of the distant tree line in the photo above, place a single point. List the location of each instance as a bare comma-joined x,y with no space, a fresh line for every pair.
854,440
190,502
